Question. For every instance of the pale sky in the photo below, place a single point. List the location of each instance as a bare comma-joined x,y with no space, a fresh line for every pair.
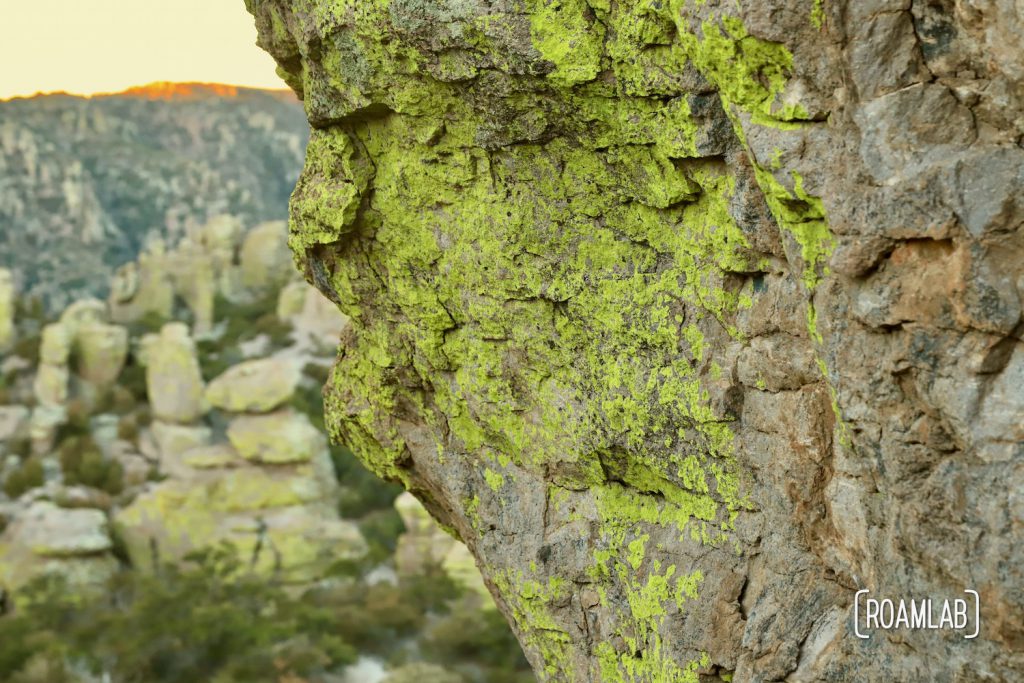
91,46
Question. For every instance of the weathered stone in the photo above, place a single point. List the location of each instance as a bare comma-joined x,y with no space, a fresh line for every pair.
51,384
283,521
143,289
100,353
291,300
173,441
320,318
7,301
43,426
256,386
195,275
81,313
55,345
46,539
266,265
278,438
211,457
690,319
424,544
174,382
13,422
421,672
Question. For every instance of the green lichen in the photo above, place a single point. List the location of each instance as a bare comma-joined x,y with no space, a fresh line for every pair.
540,270
564,34
818,13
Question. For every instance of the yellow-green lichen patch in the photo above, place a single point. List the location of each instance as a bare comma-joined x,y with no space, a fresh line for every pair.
565,35
529,601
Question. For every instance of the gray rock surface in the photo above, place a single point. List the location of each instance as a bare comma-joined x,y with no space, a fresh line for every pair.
690,318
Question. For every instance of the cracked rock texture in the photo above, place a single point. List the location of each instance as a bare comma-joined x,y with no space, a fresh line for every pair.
690,318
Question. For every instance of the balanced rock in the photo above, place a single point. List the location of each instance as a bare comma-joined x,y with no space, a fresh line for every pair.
283,521
291,300
194,274
174,381
83,312
13,422
173,441
255,386
100,351
47,539
143,289
266,263
277,438
55,345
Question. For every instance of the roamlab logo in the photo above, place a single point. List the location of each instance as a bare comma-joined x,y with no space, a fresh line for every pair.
959,614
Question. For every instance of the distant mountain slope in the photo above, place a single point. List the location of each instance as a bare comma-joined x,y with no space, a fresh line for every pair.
83,181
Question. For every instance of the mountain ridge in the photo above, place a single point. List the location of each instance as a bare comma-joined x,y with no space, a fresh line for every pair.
87,182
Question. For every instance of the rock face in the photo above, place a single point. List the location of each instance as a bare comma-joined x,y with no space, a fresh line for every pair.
690,318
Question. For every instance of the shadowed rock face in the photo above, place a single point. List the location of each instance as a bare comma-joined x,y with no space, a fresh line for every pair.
690,318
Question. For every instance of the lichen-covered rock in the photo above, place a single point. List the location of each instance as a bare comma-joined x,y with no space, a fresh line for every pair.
173,441
422,672
13,422
424,543
266,264
174,381
55,344
101,351
291,299
7,301
283,521
690,318
81,313
143,289
46,539
278,438
195,273
256,386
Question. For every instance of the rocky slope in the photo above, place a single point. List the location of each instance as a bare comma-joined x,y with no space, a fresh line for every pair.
84,182
152,442
691,318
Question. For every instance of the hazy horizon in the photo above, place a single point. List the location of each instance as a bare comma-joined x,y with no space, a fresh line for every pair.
108,46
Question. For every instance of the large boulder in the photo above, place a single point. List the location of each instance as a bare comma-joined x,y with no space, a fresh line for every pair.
277,438
311,314
282,520
45,539
422,672
13,422
100,351
173,441
174,381
55,344
195,275
266,264
255,386
692,319
143,289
